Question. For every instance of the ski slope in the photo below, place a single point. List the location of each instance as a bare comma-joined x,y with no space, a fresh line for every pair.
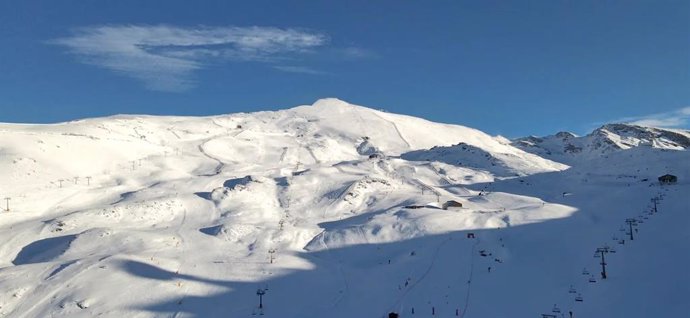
334,210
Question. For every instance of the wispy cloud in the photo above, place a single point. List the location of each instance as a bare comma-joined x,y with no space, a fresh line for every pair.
356,53
165,57
299,69
671,119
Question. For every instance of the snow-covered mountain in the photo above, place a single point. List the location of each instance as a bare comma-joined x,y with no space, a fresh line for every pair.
565,146
336,210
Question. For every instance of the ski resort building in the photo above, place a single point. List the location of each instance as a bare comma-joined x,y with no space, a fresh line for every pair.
452,204
668,179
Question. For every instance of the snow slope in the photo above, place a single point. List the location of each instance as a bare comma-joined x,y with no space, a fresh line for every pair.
335,210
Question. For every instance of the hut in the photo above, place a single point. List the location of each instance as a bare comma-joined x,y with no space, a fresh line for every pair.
452,204
377,155
668,179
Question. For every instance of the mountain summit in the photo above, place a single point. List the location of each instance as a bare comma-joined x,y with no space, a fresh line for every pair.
565,146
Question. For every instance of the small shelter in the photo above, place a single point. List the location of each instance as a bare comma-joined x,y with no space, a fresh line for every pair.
452,204
377,155
668,179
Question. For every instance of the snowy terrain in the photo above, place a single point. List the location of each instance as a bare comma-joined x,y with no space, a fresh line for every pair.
336,210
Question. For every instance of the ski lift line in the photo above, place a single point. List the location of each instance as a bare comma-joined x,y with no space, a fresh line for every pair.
469,285
178,231
333,259
399,302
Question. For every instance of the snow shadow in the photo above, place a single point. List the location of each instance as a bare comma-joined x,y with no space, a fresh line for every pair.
232,183
212,230
44,250
441,271
440,262
203,195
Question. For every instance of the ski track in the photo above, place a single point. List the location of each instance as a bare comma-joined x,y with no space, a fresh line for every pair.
397,130
434,258
219,168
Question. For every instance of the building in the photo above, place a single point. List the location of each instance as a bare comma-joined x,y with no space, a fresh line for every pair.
668,179
452,204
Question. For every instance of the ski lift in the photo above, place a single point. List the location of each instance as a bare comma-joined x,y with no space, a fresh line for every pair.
621,242
556,309
579,298
640,221
572,290
612,250
585,272
614,238
592,279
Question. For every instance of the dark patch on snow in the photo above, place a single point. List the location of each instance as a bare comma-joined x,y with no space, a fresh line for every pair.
60,268
43,250
232,183
203,195
213,230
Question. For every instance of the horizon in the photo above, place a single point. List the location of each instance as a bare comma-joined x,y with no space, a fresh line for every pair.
641,123
535,69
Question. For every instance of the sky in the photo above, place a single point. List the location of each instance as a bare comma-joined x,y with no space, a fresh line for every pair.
512,68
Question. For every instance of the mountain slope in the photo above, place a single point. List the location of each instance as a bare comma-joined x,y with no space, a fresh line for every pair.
566,147
336,210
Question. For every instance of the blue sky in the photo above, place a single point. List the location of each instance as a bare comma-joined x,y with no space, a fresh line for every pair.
506,67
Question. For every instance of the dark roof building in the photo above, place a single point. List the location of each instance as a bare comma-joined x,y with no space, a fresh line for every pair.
668,179
452,204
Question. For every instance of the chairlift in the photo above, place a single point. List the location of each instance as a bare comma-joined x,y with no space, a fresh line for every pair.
621,242
612,250
585,272
614,238
579,298
640,221
592,279
572,290
556,309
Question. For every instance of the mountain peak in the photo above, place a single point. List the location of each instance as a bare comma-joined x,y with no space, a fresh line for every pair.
604,140
331,102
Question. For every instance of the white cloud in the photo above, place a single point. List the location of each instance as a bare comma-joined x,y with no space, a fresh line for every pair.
672,119
299,69
164,57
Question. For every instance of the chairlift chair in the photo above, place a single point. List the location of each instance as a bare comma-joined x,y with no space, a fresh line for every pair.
556,309
572,290
592,279
579,298
612,250
585,272
621,242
